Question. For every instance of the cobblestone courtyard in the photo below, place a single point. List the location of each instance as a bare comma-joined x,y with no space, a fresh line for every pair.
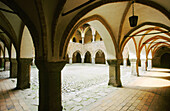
83,85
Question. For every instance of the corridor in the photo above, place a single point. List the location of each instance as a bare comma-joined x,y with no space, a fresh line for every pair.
148,92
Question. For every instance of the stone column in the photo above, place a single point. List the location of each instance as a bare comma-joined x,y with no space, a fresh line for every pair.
82,60
6,64
93,34
93,38
149,63
13,68
1,62
133,66
114,73
70,60
50,85
93,60
82,39
125,62
106,61
143,64
23,77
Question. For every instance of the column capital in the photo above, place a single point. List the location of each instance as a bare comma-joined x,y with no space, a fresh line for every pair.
25,60
50,66
13,60
114,61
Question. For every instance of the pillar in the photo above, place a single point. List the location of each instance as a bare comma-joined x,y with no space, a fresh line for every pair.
82,39
70,60
93,34
114,73
143,64
50,85
1,62
133,66
13,68
149,63
93,38
23,77
6,64
82,60
93,60
125,62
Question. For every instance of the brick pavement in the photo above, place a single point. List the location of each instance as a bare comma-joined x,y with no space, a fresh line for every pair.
149,92
11,99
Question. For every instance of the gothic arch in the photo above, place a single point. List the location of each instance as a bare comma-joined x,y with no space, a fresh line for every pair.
76,57
96,19
100,57
87,57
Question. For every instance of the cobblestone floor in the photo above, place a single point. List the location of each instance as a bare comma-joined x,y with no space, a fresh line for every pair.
84,87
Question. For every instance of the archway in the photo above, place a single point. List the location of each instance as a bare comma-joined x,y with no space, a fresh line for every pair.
76,57
100,57
165,58
87,57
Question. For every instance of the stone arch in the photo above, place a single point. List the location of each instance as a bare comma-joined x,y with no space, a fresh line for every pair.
87,57
77,57
103,29
127,38
143,53
35,34
100,57
157,47
27,46
98,4
13,52
132,47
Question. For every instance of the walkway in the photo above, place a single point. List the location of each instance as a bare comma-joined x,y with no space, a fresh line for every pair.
149,91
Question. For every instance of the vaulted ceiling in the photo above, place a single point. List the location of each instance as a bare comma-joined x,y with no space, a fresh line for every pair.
50,23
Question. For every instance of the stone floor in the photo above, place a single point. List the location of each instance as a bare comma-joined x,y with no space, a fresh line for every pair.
82,91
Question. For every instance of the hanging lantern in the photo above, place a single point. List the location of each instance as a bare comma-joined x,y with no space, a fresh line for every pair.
133,20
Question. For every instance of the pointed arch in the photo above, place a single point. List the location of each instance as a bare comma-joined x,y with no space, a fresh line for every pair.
77,57
100,57
103,29
87,58
27,46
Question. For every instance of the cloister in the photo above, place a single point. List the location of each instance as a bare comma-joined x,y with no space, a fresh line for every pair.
51,34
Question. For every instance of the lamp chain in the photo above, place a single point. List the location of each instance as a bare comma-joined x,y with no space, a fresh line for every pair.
133,7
